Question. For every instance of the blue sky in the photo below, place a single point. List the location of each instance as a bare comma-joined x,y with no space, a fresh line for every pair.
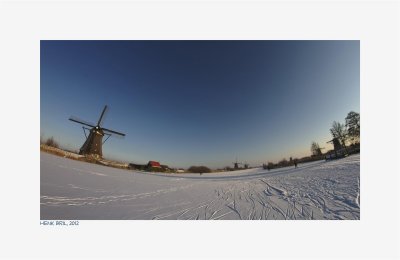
199,102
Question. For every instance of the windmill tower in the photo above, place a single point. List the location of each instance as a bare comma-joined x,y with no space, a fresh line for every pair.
94,141
336,144
236,164
246,165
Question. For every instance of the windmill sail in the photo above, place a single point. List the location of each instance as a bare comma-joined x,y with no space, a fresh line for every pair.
94,142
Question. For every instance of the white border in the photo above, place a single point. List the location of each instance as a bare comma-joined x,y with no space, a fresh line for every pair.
376,24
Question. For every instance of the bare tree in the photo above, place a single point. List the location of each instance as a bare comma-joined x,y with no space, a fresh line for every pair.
338,131
51,142
199,169
315,149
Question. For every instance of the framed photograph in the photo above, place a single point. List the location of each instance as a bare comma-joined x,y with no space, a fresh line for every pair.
200,130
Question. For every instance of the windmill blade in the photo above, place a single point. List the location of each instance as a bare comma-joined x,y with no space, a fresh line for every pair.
79,121
102,114
111,131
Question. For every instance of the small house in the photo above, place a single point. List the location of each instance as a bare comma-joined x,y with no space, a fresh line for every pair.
153,165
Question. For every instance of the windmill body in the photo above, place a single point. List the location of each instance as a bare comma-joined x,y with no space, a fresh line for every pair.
94,141
336,144
236,164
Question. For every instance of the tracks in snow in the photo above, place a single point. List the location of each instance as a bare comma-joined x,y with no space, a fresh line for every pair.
319,191
306,197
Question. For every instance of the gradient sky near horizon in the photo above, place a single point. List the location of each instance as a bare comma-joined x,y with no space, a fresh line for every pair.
199,102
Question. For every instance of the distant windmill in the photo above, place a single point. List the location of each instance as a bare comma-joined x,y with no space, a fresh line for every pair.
246,165
236,164
94,142
336,144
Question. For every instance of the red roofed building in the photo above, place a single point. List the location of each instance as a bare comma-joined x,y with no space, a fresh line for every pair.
153,164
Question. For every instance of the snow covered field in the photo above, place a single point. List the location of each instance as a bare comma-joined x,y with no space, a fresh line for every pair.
319,190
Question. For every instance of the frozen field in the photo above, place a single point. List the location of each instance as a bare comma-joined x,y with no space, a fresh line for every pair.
320,190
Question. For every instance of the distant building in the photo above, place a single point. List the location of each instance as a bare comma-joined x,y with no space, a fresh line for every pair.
134,166
153,164
150,166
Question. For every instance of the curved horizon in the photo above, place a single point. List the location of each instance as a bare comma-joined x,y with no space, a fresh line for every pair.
189,103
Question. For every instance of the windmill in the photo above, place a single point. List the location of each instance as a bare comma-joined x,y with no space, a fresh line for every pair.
236,164
94,141
246,165
336,143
